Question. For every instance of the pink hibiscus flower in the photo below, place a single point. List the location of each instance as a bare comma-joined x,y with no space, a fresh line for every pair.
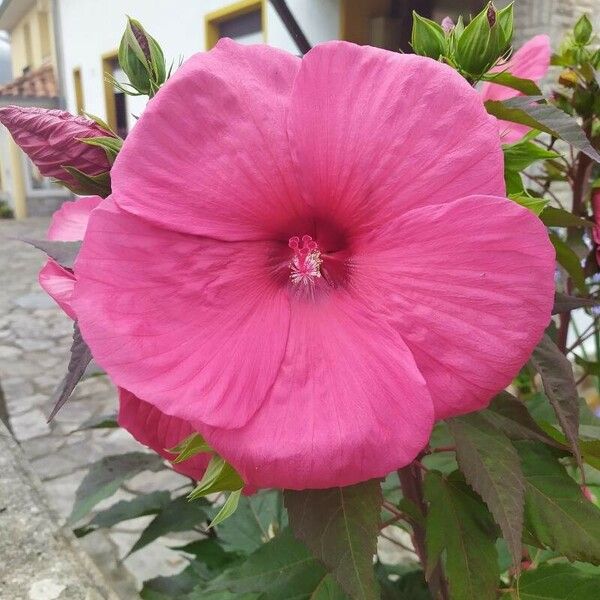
309,260
150,426
531,61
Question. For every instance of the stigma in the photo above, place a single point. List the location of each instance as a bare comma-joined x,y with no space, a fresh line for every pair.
305,265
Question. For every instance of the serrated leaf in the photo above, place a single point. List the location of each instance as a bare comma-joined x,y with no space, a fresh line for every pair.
124,510
219,476
64,253
340,526
192,445
178,515
543,116
409,586
104,477
281,569
256,519
174,587
565,303
79,359
557,515
555,582
557,377
228,508
557,217
492,468
511,416
569,261
460,524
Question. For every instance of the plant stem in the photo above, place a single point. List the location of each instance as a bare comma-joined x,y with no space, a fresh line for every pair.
411,481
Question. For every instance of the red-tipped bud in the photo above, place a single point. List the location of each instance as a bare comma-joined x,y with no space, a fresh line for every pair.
51,139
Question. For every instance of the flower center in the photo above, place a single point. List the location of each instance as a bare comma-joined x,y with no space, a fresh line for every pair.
305,265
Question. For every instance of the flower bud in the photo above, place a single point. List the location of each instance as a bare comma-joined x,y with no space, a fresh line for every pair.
142,59
447,24
52,140
484,41
428,38
582,32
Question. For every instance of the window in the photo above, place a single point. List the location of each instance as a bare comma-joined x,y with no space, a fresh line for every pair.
78,87
243,21
115,99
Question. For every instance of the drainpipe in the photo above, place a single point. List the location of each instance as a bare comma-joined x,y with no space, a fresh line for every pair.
58,49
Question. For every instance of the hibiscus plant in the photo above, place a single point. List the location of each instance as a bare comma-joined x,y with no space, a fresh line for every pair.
342,295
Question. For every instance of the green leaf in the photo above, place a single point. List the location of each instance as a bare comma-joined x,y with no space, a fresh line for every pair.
99,422
557,516
110,145
428,37
565,303
140,506
591,368
525,86
210,553
179,515
219,476
256,519
228,508
174,587
521,155
535,205
98,185
340,526
583,30
459,523
410,585
555,582
281,569
192,445
569,261
492,468
559,384
557,217
543,116
105,476
511,416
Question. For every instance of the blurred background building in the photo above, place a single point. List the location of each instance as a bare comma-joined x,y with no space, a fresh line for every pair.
61,49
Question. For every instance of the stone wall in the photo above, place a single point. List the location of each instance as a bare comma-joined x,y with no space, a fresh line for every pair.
554,17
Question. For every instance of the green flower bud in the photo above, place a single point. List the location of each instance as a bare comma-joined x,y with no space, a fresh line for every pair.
506,20
583,30
142,59
483,42
428,38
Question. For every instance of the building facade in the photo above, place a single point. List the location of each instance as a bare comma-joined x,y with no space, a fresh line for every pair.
34,60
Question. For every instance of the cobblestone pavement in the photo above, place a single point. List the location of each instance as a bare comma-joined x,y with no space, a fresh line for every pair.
35,337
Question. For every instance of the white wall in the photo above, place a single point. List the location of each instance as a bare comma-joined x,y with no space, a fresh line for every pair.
91,28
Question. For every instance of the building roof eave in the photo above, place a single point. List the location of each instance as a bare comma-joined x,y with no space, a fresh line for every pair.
12,11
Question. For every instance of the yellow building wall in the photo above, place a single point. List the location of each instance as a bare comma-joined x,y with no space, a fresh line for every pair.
355,16
36,47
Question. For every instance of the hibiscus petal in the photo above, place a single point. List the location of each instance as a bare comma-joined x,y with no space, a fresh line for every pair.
159,431
209,154
348,404
59,284
192,325
70,220
373,132
531,61
469,286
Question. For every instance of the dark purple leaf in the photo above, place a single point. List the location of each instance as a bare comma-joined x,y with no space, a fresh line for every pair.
559,384
80,358
64,253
